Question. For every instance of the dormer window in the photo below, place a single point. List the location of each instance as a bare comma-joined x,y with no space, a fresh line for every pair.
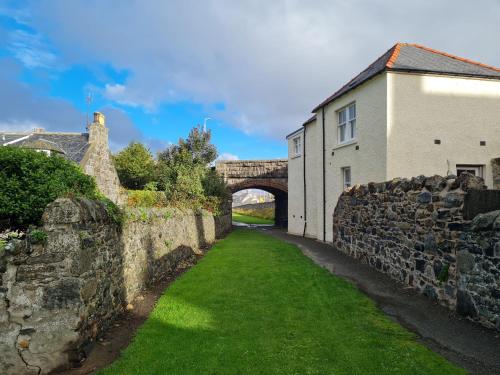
347,123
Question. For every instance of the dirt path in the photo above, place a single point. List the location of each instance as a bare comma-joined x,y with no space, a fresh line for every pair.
467,344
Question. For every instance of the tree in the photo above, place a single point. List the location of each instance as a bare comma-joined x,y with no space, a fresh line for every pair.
197,145
135,166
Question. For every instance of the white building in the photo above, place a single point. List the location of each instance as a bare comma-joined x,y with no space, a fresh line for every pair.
413,111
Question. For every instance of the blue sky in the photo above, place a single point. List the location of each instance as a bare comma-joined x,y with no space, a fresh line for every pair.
156,68
37,64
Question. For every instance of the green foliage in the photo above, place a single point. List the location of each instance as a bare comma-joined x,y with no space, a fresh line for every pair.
214,185
444,273
246,219
258,212
116,213
3,243
197,145
181,177
38,236
146,198
257,305
30,180
135,166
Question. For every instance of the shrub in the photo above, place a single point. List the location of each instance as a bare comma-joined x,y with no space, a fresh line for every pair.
31,180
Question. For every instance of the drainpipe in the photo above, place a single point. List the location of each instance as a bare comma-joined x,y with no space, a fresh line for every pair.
305,184
324,183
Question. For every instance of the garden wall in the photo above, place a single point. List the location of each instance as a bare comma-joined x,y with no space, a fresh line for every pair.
58,294
414,231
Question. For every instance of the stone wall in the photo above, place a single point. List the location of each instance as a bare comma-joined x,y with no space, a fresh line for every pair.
495,166
413,229
247,174
58,294
478,259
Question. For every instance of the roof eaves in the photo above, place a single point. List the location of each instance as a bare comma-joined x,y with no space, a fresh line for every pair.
433,72
299,130
311,119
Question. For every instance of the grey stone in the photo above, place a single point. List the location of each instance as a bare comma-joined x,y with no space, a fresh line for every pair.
435,183
466,305
424,197
453,199
485,221
61,294
465,261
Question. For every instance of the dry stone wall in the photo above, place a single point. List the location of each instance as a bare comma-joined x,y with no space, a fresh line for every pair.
414,231
58,294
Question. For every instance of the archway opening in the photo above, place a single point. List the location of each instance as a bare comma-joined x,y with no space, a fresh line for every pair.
253,206
262,201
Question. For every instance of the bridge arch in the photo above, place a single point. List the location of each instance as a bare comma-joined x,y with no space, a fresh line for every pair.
267,175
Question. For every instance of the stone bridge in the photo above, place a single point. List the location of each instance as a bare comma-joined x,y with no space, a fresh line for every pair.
268,175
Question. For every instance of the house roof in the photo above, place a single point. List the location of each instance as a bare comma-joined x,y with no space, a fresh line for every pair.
311,119
72,146
409,57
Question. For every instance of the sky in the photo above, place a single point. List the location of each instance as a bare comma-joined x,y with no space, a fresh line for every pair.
255,68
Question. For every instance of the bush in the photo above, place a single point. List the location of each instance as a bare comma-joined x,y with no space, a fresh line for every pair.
31,180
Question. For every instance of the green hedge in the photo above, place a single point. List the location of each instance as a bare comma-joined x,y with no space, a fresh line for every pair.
30,180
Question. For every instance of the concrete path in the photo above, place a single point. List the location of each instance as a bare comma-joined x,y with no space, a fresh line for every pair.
469,345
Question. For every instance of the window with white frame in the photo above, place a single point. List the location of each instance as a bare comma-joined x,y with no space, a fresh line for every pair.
476,170
297,146
347,123
346,177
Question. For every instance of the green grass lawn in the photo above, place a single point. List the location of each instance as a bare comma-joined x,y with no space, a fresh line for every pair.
240,218
256,305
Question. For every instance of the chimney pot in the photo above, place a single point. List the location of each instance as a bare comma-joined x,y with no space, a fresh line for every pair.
99,118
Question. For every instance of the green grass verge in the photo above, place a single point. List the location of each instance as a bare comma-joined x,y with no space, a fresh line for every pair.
240,218
256,305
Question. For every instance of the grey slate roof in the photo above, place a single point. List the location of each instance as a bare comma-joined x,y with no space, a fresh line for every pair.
416,58
72,145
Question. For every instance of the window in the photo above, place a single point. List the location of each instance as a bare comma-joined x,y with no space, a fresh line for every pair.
346,177
297,146
347,123
476,170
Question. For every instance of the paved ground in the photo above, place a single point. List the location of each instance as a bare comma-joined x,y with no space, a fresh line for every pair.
471,346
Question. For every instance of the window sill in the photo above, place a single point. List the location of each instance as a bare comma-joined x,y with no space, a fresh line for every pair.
345,144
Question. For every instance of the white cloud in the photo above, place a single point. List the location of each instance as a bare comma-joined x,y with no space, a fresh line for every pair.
269,62
119,94
30,50
228,156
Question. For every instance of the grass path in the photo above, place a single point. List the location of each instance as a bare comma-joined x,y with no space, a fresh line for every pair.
256,305
240,218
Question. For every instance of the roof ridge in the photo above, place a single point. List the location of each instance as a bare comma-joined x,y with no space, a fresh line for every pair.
455,57
395,54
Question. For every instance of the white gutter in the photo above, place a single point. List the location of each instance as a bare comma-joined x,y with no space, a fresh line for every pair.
17,140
